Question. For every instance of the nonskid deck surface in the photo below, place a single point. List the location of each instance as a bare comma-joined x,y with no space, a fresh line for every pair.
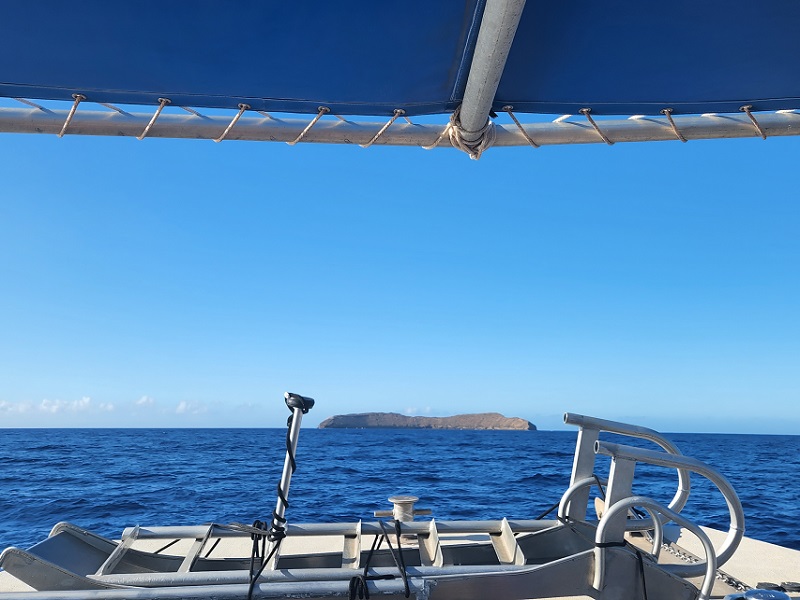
754,562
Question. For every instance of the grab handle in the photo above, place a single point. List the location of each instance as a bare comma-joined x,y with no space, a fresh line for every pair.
583,466
652,457
620,510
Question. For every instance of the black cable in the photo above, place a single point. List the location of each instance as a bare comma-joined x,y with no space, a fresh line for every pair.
358,588
555,506
358,583
277,529
289,452
600,487
403,571
399,563
641,573
254,553
622,544
548,511
254,576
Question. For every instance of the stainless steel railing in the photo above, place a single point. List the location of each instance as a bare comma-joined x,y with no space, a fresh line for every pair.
628,454
583,465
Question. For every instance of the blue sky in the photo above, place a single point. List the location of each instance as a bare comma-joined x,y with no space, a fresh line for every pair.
169,283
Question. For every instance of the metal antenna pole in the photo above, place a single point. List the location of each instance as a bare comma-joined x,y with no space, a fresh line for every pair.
299,405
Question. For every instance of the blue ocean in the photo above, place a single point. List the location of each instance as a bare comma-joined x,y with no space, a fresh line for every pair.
107,479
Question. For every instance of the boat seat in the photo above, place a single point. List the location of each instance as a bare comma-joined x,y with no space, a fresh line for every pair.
70,554
74,558
43,575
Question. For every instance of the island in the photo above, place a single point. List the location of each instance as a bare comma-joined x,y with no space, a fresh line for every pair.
397,421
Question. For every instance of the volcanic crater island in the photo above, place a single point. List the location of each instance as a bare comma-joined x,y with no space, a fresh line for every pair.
380,420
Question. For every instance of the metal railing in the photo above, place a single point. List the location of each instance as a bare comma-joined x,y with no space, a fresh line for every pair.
252,126
584,462
620,511
627,454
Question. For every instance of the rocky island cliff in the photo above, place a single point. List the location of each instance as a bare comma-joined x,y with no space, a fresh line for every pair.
398,421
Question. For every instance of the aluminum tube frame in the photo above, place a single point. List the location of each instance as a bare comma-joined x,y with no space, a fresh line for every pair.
651,457
581,484
620,510
367,528
194,578
684,481
631,524
334,131
583,463
303,589
498,27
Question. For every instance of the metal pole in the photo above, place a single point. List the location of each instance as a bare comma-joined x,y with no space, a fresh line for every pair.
288,462
620,130
299,405
498,27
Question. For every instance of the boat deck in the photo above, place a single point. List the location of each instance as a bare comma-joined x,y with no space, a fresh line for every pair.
754,562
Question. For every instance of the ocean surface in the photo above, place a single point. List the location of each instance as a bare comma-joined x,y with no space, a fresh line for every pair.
108,479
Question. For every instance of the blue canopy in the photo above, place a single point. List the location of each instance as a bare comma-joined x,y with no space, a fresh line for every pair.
369,58
633,57
361,58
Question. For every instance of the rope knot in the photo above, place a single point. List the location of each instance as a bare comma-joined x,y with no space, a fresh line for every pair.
485,136
258,525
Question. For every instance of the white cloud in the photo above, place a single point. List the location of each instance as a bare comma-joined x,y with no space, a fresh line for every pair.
417,411
190,408
15,407
145,401
57,406
106,406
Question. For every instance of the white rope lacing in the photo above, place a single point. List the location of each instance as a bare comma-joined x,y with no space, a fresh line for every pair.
486,136
746,110
192,111
508,109
323,110
242,107
587,113
162,102
33,104
438,140
116,109
78,99
398,112
667,112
